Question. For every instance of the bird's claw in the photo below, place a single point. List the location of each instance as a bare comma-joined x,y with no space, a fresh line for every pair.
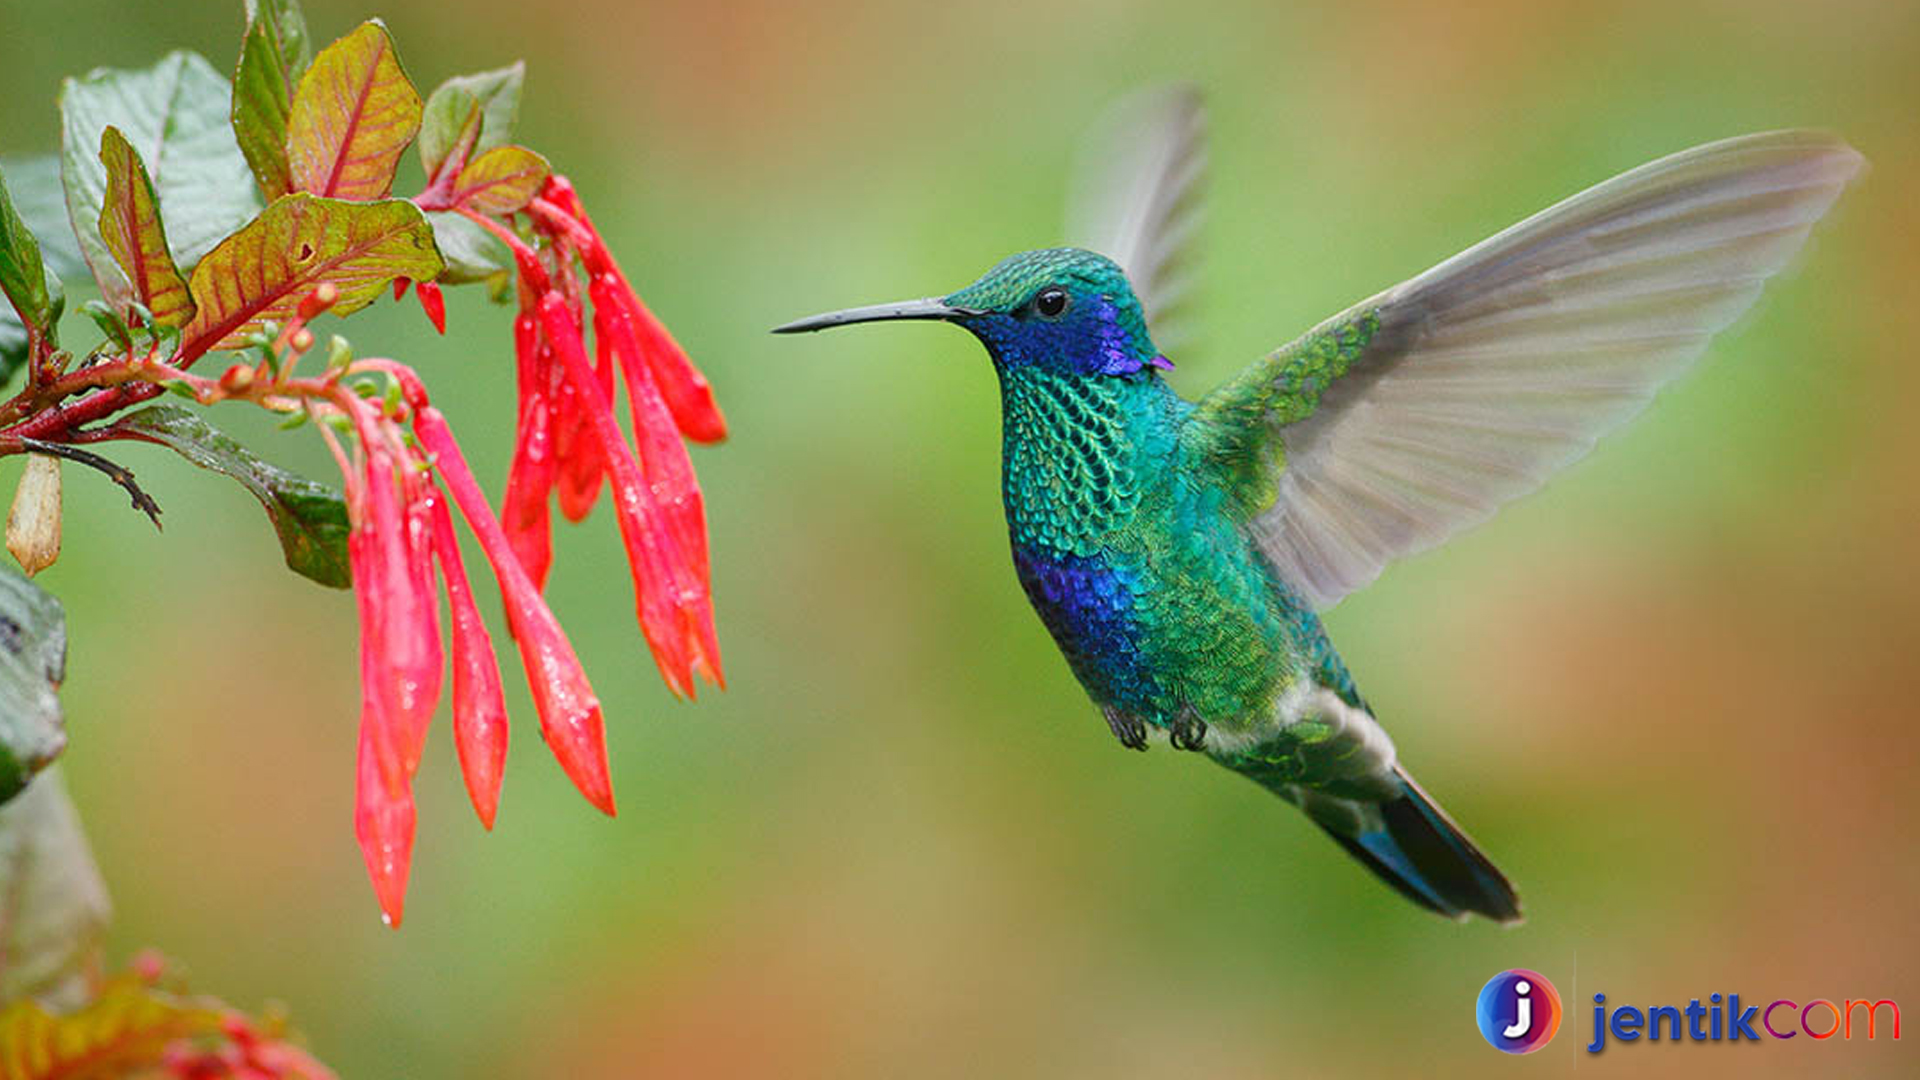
1188,732
1128,728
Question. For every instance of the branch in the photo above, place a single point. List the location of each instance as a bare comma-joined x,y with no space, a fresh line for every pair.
116,473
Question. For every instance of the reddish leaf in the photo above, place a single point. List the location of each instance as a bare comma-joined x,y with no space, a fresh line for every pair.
264,270
352,117
500,181
130,224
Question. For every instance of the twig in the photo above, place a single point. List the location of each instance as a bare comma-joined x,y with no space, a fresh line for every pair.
119,475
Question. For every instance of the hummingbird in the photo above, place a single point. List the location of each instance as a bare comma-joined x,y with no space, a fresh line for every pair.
1181,552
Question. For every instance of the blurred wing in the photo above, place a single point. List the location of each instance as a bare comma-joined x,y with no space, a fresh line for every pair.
1136,196
1418,413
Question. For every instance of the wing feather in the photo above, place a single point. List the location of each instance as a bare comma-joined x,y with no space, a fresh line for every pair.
1418,413
1136,197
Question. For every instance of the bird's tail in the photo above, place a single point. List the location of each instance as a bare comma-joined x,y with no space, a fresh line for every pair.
1415,847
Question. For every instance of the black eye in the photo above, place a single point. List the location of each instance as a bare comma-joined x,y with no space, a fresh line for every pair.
1050,301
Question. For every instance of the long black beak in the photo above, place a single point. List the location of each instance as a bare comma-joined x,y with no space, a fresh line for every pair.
930,308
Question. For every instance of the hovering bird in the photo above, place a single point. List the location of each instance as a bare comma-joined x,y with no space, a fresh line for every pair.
1179,552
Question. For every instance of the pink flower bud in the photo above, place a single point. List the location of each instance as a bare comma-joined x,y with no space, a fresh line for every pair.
433,304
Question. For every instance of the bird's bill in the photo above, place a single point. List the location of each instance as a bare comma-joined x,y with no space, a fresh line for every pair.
929,308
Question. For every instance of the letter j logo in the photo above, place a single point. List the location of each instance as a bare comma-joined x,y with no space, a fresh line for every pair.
1518,1011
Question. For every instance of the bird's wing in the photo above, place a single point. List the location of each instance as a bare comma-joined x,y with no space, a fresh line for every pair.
1136,196
1416,414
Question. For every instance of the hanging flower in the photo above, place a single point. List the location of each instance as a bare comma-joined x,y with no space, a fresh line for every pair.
401,529
568,443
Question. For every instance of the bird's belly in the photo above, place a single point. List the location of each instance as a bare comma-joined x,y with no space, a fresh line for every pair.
1088,605
1156,638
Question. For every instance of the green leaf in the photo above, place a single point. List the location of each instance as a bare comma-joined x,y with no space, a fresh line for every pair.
478,110
263,271
501,180
130,225
30,285
23,277
41,201
13,346
472,253
119,336
311,518
273,56
353,115
33,660
34,185
175,115
56,911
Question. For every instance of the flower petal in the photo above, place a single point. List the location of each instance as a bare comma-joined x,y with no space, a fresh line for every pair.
383,822
583,463
570,717
688,394
523,509
434,304
405,632
661,581
479,709
668,470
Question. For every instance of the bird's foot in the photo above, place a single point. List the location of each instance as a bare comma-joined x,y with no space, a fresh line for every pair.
1188,732
1128,728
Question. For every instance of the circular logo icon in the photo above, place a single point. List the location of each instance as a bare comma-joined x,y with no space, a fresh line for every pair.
1518,1011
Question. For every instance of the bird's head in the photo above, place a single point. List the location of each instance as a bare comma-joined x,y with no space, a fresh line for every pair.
1064,308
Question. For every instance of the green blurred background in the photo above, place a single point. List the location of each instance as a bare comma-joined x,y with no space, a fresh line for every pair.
1674,694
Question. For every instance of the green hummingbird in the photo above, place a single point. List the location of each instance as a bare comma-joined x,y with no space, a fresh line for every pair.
1179,552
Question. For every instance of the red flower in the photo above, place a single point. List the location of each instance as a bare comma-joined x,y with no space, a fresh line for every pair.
569,437
479,709
400,528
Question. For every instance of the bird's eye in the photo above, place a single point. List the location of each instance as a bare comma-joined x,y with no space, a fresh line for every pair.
1050,301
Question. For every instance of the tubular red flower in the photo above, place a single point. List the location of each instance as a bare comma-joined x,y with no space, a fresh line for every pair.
570,717
688,394
479,709
662,579
405,626
668,470
434,304
577,458
423,648
383,821
583,463
523,509
376,728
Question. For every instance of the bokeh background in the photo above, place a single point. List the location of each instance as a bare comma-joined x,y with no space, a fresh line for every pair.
1674,694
